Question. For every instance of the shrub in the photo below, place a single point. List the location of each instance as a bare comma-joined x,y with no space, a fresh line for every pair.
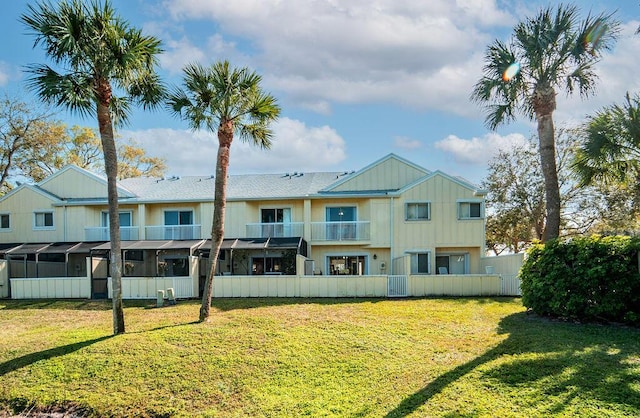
589,278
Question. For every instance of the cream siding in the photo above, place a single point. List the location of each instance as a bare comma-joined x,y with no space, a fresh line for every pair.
21,207
443,228
72,183
390,174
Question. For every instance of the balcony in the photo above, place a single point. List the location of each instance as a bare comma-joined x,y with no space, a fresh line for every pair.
178,232
275,230
101,233
340,231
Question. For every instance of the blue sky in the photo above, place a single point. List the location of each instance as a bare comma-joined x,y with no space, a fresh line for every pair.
356,79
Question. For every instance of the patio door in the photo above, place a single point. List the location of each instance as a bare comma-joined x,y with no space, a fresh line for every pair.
452,264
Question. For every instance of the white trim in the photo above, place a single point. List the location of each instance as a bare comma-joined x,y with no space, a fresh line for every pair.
10,229
415,252
87,173
367,263
52,227
417,202
470,218
355,174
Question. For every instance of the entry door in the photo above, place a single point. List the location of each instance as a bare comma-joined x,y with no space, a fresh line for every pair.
99,273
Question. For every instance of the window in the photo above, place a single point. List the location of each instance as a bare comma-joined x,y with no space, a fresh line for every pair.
452,263
178,224
470,210
419,211
341,223
5,221
43,220
420,262
125,219
175,217
270,216
276,222
354,265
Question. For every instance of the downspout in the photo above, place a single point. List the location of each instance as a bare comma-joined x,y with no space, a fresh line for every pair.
391,232
64,230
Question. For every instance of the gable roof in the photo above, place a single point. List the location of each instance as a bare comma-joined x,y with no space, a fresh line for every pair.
33,188
73,170
379,174
458,180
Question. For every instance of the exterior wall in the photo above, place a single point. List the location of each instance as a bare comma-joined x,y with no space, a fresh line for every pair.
73,183
320,253
444,228
387,175
235,221
21,207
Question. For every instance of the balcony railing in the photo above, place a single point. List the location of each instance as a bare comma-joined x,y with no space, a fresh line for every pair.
275,230
100,233
160,232
340,231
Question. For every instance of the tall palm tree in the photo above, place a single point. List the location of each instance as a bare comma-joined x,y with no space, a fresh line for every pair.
229,101
611,151
102,67
552,51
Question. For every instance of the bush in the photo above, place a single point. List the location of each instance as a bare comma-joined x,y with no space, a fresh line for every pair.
592,278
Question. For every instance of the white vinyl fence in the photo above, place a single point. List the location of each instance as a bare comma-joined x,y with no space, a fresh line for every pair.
508,267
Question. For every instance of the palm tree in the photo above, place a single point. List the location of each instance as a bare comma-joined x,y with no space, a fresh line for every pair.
103,67
229,101
553,50
611,151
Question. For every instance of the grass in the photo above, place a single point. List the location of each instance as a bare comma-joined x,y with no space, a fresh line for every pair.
329,357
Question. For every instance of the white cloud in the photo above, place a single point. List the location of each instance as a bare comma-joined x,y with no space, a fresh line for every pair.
295,147
478,150
405,52
179,53
7,74
406,143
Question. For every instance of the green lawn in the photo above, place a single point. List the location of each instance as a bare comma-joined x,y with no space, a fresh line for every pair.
315,357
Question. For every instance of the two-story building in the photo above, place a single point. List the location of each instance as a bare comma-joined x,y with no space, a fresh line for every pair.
391,217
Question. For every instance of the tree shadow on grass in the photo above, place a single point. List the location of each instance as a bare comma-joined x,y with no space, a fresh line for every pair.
29,359
569,360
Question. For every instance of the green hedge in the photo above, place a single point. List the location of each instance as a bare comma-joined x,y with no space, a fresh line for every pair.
594,278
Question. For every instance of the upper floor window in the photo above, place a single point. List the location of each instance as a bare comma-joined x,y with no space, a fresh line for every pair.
125,219
280,215
341,214
43,220
178,217
5,221
418,211
470,210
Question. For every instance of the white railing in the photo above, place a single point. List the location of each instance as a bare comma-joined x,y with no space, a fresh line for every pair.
99,233
340,231
161,232
275,230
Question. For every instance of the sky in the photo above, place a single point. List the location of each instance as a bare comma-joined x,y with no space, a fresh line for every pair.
356,80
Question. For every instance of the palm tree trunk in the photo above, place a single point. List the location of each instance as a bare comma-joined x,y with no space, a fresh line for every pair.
225,138
544,103
111,168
